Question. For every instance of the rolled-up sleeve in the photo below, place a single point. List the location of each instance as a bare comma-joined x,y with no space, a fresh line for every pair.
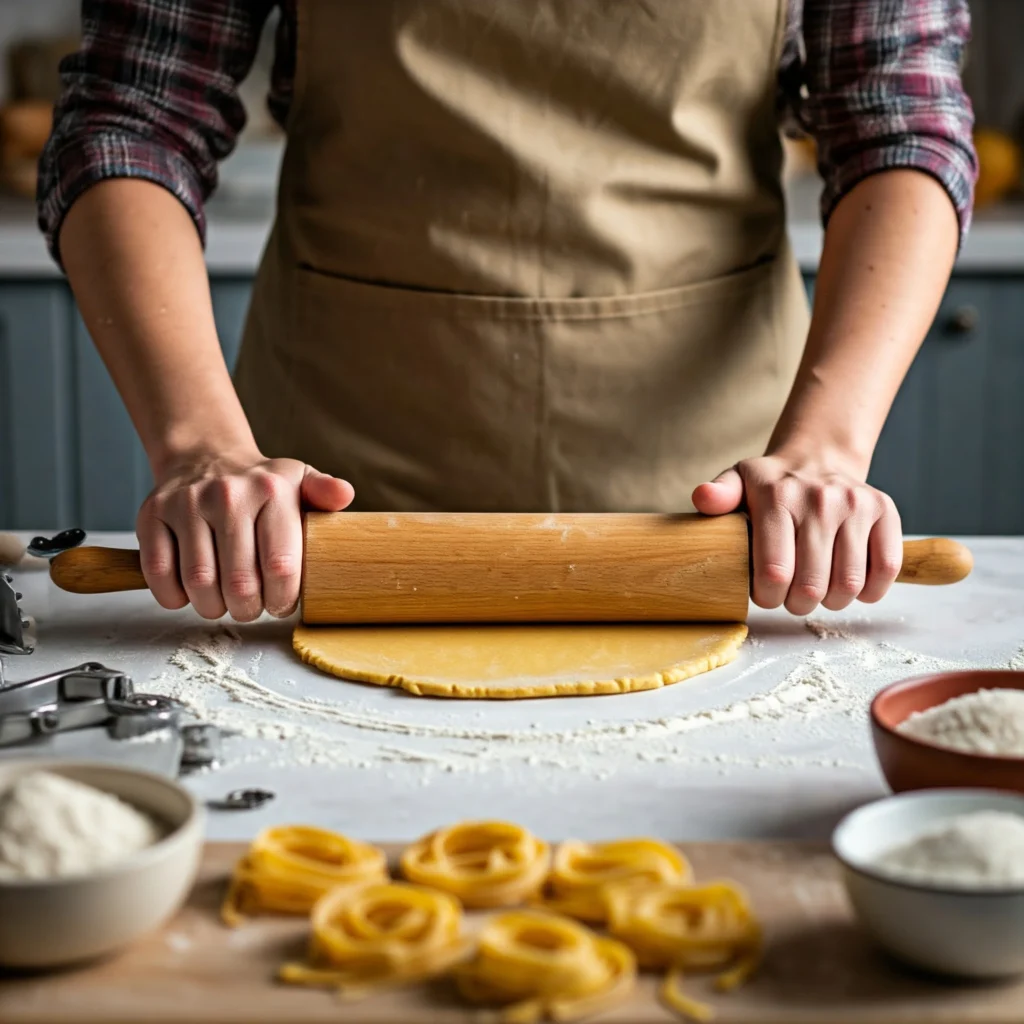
882,90
152,93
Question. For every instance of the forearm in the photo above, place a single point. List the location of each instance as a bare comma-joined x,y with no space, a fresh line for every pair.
136,266
889,249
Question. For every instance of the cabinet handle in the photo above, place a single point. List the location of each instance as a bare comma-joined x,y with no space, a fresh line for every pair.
963,320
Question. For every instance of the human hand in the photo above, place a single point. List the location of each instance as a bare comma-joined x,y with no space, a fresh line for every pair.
820,534
224,531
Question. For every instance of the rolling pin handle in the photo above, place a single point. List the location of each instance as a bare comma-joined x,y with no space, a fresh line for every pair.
935,561
98,571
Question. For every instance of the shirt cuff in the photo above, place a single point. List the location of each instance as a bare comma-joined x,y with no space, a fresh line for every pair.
86,161
953,166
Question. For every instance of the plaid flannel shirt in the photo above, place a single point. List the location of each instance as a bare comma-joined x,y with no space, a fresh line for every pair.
153,94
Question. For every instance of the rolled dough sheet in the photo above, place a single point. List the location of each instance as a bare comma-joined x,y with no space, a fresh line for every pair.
517,661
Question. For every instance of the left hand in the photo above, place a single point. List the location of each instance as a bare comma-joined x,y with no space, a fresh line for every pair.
820,534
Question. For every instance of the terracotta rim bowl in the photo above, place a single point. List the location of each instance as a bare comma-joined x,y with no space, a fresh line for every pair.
909,763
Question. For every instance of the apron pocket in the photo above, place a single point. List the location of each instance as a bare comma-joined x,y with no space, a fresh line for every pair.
440,400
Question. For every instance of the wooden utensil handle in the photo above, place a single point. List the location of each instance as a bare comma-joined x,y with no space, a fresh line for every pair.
98,570
935,561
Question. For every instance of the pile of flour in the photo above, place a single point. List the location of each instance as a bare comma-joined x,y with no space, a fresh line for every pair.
52,827
984,849
986,722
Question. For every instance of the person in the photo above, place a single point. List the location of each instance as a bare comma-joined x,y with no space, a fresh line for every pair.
527,256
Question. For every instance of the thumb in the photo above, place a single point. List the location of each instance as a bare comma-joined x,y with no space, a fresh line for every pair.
324,493
723,494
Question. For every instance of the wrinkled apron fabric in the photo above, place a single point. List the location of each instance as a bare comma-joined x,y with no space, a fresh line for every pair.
528,256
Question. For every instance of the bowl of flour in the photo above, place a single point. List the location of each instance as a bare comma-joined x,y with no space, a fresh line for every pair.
92,856
952,729
937,879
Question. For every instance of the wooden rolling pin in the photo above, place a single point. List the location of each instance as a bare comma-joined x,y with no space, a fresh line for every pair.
496,567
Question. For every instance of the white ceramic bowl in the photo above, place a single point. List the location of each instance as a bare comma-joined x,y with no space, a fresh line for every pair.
940,928
49,923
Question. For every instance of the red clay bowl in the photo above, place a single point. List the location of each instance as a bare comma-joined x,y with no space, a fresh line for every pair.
913,764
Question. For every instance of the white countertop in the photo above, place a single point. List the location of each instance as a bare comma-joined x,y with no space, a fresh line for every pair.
774,745
238,228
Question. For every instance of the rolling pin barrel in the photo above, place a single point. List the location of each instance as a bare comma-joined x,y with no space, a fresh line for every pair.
491,567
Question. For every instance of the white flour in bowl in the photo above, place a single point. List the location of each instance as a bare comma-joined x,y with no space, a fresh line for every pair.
53,827
984,849
986,722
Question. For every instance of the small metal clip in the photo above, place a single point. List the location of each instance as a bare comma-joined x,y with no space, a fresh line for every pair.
202,747
49,547
242,800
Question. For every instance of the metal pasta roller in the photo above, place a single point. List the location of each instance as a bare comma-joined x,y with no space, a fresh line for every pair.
91,712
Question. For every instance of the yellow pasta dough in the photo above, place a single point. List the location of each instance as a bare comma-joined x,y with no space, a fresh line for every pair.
289,867
517,661
537,965
582,873
483,863
380,936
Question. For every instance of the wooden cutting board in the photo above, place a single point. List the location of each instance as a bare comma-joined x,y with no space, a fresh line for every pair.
818,966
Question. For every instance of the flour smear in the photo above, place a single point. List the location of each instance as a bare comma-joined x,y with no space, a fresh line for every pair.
816,692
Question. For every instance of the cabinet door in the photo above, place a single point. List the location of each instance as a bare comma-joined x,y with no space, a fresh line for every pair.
114,476
230,308
950,453
37,409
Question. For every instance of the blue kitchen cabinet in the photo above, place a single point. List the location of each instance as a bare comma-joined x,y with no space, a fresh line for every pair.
39,412
951,453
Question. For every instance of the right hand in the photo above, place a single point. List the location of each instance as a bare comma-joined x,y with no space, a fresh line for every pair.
224,532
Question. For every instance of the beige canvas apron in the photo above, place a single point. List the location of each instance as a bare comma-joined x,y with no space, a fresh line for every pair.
528,255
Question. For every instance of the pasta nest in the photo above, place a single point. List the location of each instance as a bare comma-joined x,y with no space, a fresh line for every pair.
583,873
538,965
380,936
289,867
484,863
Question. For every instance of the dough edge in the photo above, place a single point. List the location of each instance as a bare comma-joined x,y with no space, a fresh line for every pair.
736,634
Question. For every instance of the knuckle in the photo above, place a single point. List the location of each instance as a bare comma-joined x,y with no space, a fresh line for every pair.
226,491
241,583
156,567
280,565
888,566
200,577
821,498
810,588
849,583
270,486
776,573
784,492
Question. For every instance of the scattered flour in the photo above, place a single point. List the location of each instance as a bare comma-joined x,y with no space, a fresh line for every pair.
52,827
818,695
979,850
986,722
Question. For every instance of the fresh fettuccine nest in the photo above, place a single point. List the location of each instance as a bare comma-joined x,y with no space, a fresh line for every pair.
583,873
288,868
483,863
538,966
380,936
